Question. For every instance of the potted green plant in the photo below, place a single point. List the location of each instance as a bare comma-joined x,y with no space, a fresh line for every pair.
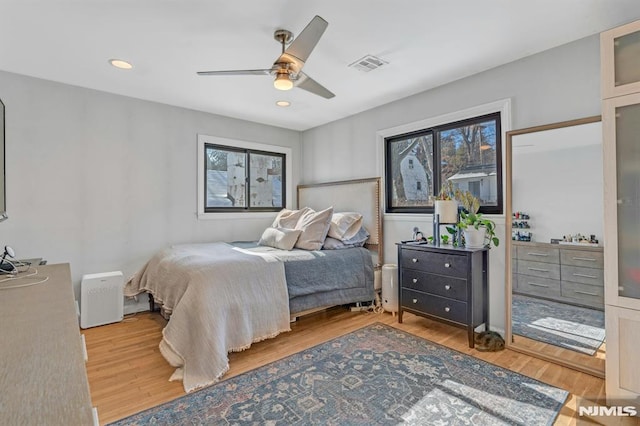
478,231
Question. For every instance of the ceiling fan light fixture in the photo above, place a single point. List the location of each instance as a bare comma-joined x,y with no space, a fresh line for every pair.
283,82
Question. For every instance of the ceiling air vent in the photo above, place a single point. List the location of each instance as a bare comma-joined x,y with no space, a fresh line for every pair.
368,63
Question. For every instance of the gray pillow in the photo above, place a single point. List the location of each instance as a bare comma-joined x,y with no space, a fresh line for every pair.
358,240
280,238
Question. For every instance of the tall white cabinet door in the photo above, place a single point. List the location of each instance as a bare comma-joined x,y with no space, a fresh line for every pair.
621,124
620,57
623,374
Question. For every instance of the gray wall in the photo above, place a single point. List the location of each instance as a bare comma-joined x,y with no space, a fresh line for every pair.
103,181
556,85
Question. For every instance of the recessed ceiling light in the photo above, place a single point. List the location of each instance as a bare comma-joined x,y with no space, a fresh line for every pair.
119,63
283,103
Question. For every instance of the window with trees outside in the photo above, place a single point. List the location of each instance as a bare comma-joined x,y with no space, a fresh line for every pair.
466,153
237,179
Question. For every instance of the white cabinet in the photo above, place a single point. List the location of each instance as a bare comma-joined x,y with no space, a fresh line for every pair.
620,50
623,374
620,60
621,119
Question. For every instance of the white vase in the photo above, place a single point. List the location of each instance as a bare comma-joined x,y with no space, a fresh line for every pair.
447,209
474,238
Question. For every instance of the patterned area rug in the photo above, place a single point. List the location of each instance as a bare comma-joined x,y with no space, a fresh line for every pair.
572,327
377,375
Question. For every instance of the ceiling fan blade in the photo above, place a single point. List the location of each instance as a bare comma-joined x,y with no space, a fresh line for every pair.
302,45
236,72
310,85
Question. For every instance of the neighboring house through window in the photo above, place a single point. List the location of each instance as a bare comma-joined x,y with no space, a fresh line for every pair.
466,153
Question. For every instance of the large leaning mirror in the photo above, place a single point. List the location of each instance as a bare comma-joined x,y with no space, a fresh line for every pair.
554,262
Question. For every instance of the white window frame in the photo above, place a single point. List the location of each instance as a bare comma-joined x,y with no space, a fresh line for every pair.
235,143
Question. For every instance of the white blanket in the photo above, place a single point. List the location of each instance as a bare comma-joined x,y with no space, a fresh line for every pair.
222,301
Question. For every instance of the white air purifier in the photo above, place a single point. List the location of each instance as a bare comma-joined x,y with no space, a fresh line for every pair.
101,299
390,288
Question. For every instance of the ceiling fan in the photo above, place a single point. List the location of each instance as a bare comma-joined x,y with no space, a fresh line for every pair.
287,68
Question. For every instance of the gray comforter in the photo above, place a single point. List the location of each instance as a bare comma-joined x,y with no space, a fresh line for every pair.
323,277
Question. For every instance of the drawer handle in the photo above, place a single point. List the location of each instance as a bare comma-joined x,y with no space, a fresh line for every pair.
447,309
538,254
415,280
414,260
586,259
447,287
586,292
415,300
537,285
584,276
447,265
538,269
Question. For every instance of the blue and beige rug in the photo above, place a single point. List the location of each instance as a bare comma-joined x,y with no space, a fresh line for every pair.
560,324
377,375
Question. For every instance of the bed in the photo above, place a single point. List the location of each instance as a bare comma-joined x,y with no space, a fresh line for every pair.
222,297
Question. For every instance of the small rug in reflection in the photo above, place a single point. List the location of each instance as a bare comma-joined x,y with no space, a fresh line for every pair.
559,324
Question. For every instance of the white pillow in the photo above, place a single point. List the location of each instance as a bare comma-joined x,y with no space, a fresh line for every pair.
288,218
280,238
314,226
345,226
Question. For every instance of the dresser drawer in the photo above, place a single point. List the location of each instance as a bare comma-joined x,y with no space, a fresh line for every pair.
437,263
579,274
538,286
539,269
592,294
586,258
539,254
453,288
442,307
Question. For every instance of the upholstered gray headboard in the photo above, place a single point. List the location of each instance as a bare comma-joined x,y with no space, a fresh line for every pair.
358,195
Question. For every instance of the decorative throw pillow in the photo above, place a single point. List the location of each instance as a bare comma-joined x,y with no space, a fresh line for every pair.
280,238
288,218
344,226
357,240
314,226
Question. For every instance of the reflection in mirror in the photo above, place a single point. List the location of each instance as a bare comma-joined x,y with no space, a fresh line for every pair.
555,269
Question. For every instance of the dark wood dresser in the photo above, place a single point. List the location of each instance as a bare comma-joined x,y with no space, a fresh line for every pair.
444,283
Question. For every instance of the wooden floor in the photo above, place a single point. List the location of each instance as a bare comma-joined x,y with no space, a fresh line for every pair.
596,362
127,373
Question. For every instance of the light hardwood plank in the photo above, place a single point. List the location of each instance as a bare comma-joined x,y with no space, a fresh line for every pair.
127,373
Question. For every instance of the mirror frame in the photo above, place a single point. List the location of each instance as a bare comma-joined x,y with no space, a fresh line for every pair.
508,247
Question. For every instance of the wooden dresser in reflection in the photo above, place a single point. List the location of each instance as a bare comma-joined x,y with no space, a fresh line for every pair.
570,274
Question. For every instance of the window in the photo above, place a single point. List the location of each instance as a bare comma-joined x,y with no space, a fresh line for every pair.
467,153
237,178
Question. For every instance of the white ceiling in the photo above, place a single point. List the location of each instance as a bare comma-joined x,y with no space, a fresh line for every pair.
426,42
